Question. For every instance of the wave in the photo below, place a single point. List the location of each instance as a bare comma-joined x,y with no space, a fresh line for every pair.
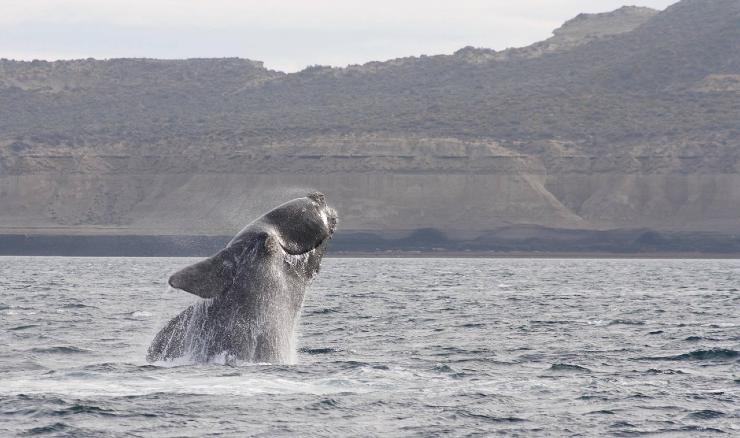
84,409
569,368
119,367
51,428
60,350
706,414
77,306
320,350
626,322
690,428
443,368
325,404
321,311
23,327
714,354
668,371
490,418
473,325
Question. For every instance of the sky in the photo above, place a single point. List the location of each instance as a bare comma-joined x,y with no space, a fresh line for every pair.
286,35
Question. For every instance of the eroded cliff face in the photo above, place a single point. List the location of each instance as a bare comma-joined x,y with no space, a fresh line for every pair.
621,120
379,183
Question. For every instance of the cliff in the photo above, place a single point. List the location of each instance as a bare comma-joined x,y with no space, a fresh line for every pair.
622,120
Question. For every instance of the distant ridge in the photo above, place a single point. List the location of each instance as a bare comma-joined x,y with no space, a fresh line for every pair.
621,120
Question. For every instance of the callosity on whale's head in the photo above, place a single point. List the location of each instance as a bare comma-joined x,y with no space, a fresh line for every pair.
298,226
295,233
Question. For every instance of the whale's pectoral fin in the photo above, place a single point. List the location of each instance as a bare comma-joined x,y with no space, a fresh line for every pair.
208,278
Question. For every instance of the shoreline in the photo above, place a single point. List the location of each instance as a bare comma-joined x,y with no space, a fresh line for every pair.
531,255
613,245
446,255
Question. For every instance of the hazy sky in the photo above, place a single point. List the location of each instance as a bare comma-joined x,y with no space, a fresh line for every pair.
287,35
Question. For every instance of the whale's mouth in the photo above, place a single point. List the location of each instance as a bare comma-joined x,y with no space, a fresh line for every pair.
321,242
294,253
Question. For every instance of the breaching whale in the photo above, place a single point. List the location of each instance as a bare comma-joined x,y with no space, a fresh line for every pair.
253,289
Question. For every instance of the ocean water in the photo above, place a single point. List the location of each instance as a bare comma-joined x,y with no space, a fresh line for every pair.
392,347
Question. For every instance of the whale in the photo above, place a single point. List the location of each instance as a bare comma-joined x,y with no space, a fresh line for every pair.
251,291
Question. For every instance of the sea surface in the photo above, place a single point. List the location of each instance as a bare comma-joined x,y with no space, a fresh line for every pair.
391,347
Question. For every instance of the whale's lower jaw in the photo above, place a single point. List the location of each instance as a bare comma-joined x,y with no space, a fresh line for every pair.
318,245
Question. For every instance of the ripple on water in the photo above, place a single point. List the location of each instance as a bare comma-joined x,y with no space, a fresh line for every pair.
77,409
488,417
323,405
712,354
320,350
666,371
321,312
626,322
78,306
391,347
23,327
706,414
63,349
602,412
50,429
569,368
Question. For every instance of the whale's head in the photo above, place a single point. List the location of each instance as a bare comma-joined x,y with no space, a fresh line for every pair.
298,232
302,225
292,238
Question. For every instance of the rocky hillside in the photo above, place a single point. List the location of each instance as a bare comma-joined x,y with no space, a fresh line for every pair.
621,120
